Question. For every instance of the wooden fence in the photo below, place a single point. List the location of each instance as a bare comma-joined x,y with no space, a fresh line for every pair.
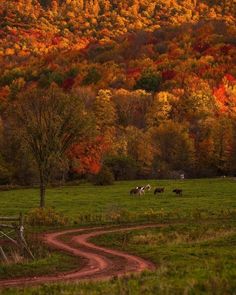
12,229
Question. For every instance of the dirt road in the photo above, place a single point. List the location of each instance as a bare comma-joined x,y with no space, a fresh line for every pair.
99,263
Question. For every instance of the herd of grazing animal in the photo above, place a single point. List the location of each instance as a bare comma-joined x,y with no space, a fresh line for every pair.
140,190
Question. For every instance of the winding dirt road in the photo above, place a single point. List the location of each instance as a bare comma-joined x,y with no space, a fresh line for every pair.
99,263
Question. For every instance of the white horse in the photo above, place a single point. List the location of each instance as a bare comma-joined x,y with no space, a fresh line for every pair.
141,189
148,187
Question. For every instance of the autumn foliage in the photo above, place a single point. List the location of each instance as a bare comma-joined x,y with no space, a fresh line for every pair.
87,155
156,78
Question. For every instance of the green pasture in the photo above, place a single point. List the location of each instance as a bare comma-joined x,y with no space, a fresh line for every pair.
209,195
194,253
190,258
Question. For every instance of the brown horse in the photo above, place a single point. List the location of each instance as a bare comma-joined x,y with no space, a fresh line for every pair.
178,191
159,190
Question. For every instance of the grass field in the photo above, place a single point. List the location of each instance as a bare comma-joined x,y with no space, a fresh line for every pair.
191,258
194,254
207,195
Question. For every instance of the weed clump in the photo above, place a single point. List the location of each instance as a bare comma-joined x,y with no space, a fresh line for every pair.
45,217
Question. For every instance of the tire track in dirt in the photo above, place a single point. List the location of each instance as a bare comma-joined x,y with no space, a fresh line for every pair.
100,263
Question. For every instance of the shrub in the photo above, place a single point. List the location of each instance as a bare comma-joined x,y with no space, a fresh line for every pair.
5,175
45,216
104,177
122,167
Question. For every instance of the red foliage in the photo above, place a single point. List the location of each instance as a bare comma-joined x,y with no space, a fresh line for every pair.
200,47
224,99
168,75
56,40
88,155
230,78
68,83
133,72
226,48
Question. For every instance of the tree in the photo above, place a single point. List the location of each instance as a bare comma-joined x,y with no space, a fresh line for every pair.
48,122
122,167
92,77
160,109
87,156
131,106
104,110
140,148
174,148
149,81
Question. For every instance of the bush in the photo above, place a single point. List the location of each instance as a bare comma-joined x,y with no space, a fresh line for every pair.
45,216
5,175
104,177
122,167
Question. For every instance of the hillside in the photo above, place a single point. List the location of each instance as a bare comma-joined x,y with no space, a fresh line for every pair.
164,71
39,26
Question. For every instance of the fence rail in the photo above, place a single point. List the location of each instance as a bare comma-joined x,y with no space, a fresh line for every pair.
17,225
9,218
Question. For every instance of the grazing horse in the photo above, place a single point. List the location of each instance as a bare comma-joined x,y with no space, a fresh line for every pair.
178,191
136,191
142,189
148,187
159,190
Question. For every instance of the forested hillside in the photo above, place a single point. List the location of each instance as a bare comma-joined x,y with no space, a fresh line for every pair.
157,78
39,26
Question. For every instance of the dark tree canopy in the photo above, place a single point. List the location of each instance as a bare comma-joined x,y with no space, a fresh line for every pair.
49,122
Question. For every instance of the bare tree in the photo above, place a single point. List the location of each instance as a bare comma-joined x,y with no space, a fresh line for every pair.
48,122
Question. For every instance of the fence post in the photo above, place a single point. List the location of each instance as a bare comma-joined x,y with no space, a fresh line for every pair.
3,255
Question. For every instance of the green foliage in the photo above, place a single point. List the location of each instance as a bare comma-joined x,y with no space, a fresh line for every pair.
45,3
5,175
47,122
92,77
176,148
104,177
48,77
149,81
10,75
122,167
45,217
6,172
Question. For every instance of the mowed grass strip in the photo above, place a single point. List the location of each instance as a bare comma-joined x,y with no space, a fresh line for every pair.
203,194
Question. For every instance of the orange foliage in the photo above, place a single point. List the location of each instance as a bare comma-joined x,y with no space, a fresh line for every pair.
87,155
226,101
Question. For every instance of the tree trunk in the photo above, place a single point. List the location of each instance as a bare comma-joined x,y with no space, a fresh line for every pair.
42,190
